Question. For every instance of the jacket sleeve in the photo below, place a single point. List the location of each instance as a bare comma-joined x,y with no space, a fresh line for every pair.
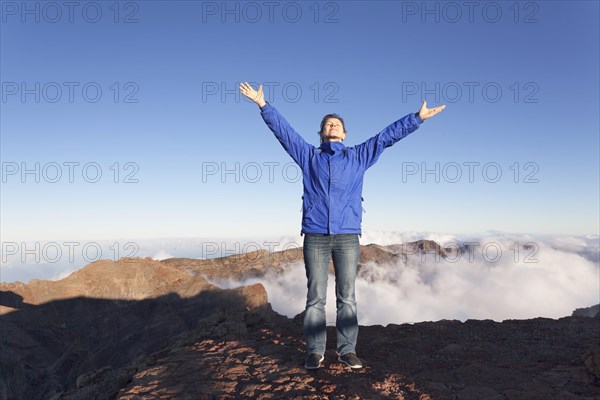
292,142
370,150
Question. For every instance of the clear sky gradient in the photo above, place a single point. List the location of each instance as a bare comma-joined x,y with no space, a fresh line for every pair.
520,81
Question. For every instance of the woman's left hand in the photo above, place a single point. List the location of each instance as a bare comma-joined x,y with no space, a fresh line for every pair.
426,113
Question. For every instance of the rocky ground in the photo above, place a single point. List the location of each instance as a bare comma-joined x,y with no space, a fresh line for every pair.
478,360
144,329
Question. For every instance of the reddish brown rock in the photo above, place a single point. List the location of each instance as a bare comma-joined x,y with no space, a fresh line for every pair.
140,328
526,359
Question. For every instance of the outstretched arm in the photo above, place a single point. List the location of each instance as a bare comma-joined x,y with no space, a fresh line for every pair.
292,142
370,150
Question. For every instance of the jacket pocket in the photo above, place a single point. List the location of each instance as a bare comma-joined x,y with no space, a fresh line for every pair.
307,206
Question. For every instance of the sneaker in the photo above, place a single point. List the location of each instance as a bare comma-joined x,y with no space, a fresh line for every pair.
351,360
313,361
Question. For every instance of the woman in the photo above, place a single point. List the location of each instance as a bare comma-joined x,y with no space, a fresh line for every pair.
331,219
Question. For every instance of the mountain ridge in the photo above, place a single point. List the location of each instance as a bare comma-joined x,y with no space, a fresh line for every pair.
142,327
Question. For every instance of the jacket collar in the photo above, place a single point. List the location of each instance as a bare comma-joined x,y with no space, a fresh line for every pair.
332,147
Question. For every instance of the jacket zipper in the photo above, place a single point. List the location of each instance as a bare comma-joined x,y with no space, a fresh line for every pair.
329,196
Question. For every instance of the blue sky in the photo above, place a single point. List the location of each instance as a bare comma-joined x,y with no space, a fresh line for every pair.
168,115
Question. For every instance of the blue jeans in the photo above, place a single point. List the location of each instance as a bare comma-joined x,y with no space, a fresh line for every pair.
345,250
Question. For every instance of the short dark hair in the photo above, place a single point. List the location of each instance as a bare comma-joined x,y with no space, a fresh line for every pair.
325,118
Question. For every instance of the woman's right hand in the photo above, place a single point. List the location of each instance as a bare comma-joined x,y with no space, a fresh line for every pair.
256,96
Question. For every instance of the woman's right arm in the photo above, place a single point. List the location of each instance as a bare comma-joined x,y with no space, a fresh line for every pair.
256,96
290,140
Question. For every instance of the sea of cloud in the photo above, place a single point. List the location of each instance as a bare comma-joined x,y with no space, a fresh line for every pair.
500,276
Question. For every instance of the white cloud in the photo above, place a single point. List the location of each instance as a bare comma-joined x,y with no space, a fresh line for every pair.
63,274
550,278
384,238
162,255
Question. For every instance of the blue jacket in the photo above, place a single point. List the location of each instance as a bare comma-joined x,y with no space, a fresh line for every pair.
333,173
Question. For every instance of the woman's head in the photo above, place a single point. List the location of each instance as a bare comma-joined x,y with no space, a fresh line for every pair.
332,128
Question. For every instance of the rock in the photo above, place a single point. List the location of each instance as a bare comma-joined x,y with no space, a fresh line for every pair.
591,359
299,318
593,311
478,393
156,329
92,377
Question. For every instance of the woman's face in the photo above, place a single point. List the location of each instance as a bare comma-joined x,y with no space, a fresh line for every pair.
333,131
